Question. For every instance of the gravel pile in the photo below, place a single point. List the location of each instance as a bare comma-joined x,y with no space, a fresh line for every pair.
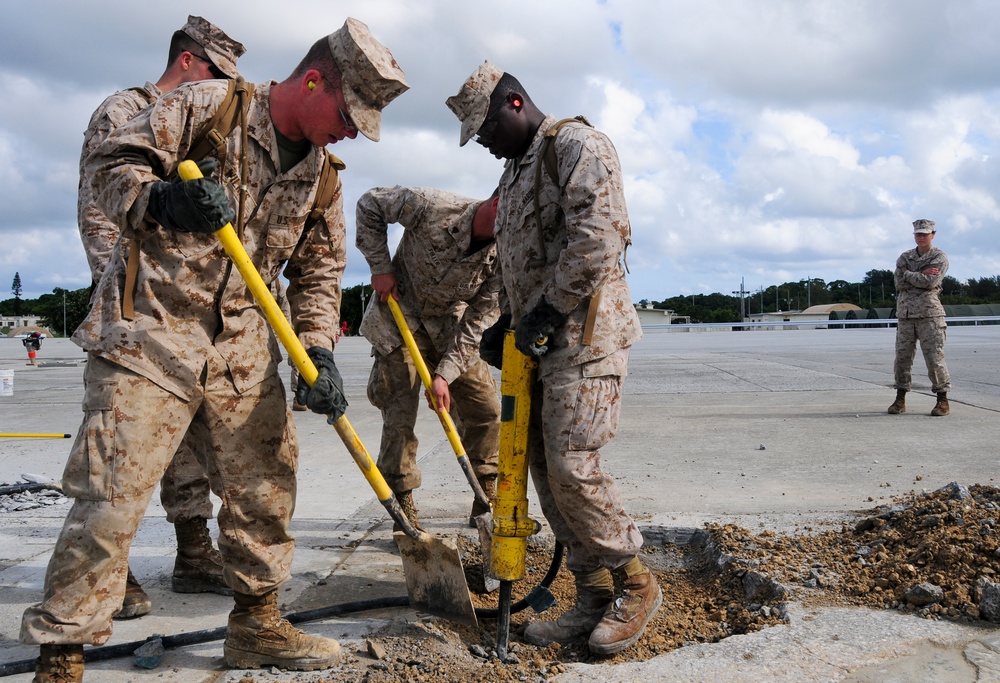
32,491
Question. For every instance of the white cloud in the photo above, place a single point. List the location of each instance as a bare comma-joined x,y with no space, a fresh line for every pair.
770,140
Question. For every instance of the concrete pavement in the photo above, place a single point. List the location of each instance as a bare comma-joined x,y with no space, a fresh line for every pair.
698,408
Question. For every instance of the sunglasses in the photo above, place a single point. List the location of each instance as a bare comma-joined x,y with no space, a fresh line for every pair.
212,68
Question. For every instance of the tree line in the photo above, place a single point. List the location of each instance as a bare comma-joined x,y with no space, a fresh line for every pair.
876,290
49,308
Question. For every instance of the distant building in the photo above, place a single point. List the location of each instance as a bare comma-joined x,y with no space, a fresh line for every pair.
655,316
14,321
21,325
817,312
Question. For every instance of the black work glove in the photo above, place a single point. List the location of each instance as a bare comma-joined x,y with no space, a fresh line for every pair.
491,344
326,395
191,205
533,335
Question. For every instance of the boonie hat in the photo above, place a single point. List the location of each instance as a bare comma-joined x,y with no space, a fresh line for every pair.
370,76
472,102
220,48
923,226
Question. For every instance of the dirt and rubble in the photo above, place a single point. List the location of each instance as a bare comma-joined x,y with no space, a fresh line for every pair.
721,581
932,554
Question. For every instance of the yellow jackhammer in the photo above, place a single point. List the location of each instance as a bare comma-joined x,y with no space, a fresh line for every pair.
511,524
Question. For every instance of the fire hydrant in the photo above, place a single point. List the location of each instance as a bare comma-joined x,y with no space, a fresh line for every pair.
33,342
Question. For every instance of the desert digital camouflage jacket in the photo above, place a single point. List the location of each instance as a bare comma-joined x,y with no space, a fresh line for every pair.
188,297
446,285
97,232
585,230
919,295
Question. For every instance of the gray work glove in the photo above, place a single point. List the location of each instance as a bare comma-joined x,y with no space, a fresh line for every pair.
191,205
491,343
326,395
533,336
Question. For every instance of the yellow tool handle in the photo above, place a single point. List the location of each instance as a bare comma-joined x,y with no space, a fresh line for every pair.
188,170
35,436
425,375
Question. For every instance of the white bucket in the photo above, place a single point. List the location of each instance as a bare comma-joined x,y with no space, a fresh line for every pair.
6,382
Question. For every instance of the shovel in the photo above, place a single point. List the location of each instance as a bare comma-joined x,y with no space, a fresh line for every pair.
484,522
435,579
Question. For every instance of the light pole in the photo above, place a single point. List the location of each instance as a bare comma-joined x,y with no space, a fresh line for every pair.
64,314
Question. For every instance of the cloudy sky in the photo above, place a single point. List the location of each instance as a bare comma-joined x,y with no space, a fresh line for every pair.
763,141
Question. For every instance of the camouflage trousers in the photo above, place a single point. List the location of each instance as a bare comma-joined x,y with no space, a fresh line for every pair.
931,332
184,488
395,388
130,431
574,413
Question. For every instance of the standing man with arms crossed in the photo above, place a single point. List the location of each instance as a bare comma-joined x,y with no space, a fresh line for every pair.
918,276
198,355
444,275
561,236
198,51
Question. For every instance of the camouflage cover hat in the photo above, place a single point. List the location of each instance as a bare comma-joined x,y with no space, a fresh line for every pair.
220,48
922,225
472,102
370,76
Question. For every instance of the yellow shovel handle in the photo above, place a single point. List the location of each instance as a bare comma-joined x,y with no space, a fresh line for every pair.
425,375
188,170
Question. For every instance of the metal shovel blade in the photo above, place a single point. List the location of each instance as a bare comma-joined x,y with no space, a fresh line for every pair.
435,579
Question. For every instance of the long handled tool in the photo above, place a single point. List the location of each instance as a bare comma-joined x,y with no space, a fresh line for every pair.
435,579
484,522
511,524
35,436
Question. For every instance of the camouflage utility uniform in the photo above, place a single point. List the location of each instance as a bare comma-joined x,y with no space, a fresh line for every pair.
576,265
197,356
184,489
448,293
921,317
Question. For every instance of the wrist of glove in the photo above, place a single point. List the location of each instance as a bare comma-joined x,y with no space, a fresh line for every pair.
491,344
326,395
199,206
533,336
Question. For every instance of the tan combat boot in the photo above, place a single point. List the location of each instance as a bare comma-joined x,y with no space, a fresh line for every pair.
198,567
637,597
899,405
405,500
136,602
941,407
489,486
594,592
59,664
257,636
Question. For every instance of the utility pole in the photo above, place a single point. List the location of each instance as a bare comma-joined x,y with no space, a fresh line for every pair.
64,314
808,281
742,292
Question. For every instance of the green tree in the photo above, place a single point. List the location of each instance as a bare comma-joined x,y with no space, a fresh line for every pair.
15,289
61,318
351,309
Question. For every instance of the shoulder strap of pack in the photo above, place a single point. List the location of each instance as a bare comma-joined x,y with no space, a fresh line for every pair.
327,188
146,95
551,163
226,118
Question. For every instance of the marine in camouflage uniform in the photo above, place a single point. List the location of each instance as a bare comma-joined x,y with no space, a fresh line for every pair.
564,281
918,276
198,355
198,51
444,275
